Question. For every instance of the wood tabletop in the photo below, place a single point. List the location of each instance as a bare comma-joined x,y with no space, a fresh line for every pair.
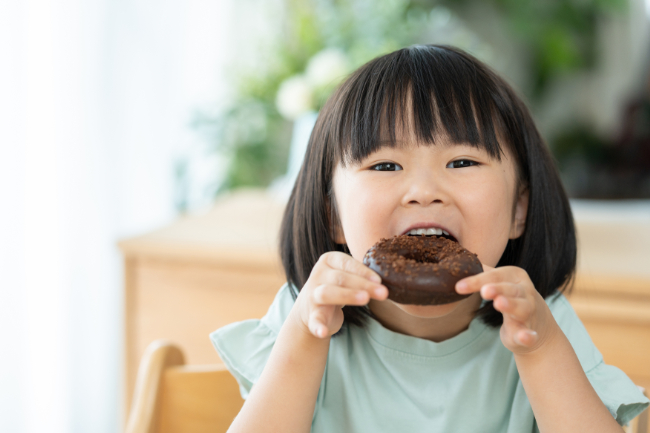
240,226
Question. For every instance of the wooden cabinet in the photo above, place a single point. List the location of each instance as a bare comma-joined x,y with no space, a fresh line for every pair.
204,271
200,273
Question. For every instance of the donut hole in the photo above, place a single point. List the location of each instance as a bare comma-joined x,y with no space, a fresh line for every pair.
423,256
431,252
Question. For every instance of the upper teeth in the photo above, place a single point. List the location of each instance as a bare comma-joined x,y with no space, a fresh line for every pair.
430,231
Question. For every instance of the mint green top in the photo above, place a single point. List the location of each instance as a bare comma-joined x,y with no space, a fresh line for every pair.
378,380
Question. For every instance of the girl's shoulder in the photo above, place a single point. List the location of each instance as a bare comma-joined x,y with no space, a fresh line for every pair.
279,309
575,331
245,346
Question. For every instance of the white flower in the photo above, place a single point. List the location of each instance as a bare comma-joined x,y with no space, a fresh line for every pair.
295,97
327,67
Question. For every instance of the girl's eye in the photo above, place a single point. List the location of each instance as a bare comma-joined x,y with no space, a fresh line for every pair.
386,166
460,163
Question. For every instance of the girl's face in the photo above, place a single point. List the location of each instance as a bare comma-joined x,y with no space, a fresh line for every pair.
457,188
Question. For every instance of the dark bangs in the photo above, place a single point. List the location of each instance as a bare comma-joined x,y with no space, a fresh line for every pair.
427,91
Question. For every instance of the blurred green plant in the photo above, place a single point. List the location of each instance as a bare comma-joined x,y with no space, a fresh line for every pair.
559,35
254,133
581,142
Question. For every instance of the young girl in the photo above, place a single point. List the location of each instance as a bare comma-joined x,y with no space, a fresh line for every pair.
425,137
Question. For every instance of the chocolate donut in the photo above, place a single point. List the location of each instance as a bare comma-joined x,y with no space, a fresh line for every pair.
422,270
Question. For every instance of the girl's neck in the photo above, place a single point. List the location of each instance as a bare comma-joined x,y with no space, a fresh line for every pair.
436,329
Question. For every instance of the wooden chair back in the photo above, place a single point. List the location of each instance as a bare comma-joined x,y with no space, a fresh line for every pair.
171,397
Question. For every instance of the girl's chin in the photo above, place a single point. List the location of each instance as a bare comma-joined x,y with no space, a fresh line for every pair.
428,311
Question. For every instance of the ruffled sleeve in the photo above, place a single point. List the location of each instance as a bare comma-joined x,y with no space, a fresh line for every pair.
620,395
245,346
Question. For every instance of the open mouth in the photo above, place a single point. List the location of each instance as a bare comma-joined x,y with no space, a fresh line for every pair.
431,232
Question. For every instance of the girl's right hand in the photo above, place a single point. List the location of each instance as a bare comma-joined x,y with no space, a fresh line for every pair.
336,280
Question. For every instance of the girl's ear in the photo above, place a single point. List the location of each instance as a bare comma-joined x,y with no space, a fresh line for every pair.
521,210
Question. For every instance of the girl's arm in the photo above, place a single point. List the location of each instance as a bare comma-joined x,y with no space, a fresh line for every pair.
284,397
559,392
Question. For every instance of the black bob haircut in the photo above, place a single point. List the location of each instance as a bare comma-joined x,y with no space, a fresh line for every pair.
446,92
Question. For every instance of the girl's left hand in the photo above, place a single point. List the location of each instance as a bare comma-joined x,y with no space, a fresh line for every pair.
527,321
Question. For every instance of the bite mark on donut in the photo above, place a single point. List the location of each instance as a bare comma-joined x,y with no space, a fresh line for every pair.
450,237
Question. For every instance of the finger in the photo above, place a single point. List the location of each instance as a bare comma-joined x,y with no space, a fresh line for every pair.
518,309
517,333
526,337
343,262
355,282
489,275
318,321
327,294
510,290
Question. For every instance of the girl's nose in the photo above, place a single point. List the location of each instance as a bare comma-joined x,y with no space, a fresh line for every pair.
423,189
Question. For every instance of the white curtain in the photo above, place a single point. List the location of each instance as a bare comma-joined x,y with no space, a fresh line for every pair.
96,97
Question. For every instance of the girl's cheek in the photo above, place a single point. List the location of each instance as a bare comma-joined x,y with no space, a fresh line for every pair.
368,213
488,211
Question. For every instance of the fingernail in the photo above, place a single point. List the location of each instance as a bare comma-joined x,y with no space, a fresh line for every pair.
380,291
322,331
361,296
376,278
461,286
526,331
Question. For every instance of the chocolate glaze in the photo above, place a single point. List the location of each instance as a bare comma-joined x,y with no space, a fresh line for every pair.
422,270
